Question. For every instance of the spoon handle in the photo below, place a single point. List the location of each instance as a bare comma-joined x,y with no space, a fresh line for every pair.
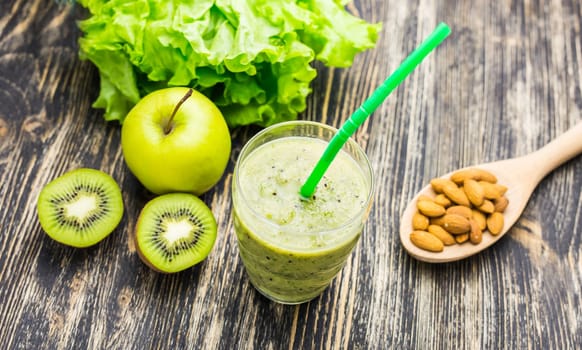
557,152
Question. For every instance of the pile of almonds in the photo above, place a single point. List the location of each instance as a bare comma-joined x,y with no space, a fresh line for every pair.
468,204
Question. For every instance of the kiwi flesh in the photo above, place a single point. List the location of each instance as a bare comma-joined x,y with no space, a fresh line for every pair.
80,208
175,232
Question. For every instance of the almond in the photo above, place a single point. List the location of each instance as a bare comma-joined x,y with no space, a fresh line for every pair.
460,210
474,191
475,235
462,238
426,241
480,218
495,223
456,224
424,197
441,234
440,221
419,222
492,191
500,204
465,205
487,207
438,184
441,199
430,208
456,195
476,174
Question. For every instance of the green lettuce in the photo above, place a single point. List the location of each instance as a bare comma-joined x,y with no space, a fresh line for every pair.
253,58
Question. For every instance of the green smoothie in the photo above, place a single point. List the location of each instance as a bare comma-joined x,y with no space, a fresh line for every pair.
293,247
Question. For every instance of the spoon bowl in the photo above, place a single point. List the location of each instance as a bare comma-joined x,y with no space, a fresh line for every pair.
521,176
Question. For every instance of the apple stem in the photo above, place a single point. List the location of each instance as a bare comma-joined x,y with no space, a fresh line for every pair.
169,125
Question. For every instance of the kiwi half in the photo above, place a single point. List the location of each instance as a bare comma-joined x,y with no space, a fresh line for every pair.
174,232
80,208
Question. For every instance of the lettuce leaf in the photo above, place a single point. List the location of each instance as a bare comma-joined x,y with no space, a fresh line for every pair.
252,58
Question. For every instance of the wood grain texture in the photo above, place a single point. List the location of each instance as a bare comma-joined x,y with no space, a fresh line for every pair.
506,82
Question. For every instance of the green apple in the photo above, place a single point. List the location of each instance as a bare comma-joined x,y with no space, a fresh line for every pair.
176,140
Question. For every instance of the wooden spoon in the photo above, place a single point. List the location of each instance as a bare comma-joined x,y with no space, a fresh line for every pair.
521,175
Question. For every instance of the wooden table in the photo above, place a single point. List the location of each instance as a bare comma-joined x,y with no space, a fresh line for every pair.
506,82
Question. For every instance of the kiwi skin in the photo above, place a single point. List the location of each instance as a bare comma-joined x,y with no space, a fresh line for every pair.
174,232
70,189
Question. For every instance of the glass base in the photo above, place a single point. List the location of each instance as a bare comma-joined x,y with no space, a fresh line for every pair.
283,301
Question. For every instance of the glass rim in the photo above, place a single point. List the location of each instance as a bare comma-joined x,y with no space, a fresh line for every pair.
368,173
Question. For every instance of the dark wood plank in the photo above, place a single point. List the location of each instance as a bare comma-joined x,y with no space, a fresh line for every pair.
507,81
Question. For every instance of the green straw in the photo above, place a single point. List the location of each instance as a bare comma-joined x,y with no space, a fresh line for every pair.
370,105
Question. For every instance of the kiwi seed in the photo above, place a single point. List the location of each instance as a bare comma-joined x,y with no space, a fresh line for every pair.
80,208
174,232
